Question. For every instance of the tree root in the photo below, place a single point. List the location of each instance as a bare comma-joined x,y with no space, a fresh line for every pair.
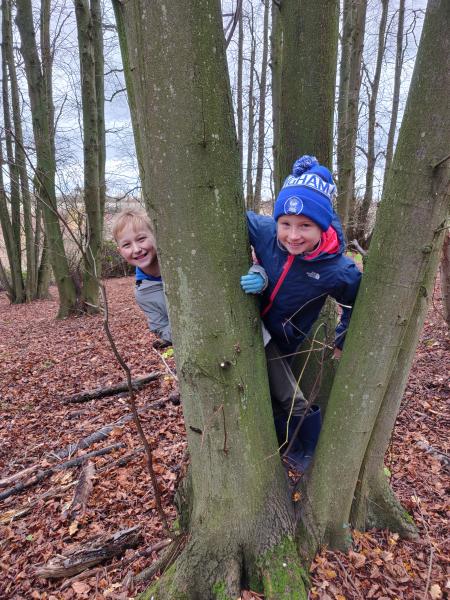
376,506
200,572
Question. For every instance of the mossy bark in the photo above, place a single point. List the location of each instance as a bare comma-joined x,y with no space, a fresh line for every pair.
241,507
400,261
306,38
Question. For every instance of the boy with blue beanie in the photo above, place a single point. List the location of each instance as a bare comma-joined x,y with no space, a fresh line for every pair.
300,256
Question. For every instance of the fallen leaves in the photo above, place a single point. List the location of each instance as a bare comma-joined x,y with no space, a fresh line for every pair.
55,359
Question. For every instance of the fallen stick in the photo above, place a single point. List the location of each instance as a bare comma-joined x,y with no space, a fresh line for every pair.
74,462
118,565
93,438
13,478
165,561
20,511
82,491
111,390
99,550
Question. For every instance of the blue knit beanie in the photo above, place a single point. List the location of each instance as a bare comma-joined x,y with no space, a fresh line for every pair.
309,191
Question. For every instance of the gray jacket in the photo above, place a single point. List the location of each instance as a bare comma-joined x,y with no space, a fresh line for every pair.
150,297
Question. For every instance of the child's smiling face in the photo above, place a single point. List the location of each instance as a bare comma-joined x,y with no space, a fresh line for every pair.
297,233
138,247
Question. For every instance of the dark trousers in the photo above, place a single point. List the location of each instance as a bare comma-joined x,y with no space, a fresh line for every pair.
285,393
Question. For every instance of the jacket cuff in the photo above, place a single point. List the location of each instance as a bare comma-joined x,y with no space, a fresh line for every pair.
261,271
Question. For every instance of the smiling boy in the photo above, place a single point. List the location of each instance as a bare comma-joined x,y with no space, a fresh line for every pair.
301,250
133,233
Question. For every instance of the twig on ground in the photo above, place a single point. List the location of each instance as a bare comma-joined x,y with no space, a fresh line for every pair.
98,550
111,390
165,561
82,491
74,462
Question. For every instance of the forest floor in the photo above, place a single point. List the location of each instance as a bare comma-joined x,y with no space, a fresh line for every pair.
45,361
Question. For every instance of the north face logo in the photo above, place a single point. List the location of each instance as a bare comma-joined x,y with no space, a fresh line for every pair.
313,274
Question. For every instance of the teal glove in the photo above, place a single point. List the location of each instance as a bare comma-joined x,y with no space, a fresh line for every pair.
252,283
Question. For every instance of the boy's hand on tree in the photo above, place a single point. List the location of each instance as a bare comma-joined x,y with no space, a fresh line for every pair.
252,283
337,353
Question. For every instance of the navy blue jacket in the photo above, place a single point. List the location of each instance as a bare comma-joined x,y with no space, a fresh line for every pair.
306,286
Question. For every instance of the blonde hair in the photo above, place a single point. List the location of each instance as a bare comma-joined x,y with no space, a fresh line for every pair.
135,218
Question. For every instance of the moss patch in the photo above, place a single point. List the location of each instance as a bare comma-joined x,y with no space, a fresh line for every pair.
284,577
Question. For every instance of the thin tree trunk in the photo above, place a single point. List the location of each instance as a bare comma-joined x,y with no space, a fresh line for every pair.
399,265
250,197
21,159
445,278
16,283
347,138
45,158
309,32
371,155
262,109
396,92
87,52
97,21
239,91
14,256
276,47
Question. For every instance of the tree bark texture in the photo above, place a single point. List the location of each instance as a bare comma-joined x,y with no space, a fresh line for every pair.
307,63
45,158
396,92
91,154
355,18
374,84
250,196
11,218
445,278
396,274
241,515
21,159
262,109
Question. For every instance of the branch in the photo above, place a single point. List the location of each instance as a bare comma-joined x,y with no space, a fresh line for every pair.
111,390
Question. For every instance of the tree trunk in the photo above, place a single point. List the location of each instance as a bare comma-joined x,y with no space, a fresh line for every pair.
445,278
396,92
15,286
241,510
399,267
309,33
374,85
262,109
45,158
239,90
250,197
11,219
92,266
21,159
356,19
276,62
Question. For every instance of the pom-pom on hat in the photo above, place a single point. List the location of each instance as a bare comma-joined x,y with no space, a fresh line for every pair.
309,191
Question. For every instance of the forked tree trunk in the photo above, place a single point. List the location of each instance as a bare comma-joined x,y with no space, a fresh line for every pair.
309,34
385,320
241,511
